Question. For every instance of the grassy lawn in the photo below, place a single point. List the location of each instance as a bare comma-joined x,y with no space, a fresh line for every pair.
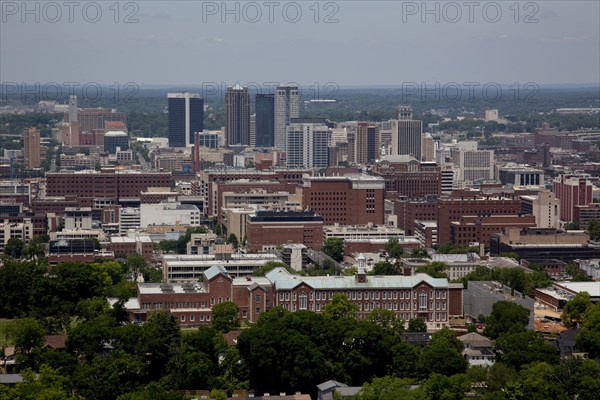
4,323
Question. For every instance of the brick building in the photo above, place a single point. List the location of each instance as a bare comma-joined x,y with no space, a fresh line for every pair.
346,200
204,186
107,184
274,228
404,175
56,205
436,301
408,211
544,244
479,228
124,246
450,209
38,221
584,214
572,190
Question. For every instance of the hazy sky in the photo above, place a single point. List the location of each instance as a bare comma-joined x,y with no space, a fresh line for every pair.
372,42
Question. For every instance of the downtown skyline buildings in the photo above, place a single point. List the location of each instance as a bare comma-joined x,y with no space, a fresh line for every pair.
287,106
186,116
237,115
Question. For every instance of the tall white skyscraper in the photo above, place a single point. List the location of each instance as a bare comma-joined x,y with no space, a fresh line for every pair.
308,145
406,134
287,106
72,108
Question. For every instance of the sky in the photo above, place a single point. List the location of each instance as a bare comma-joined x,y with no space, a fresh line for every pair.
350,43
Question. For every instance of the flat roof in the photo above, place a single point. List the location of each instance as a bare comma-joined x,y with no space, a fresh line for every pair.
593,288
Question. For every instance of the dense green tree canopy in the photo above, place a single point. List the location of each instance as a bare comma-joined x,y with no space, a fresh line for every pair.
504,316
334,248
225,316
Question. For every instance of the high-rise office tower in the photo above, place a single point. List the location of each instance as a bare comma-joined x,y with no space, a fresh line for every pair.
72,108
253,130
308,145
265,120
406,134
31,147
186,116
287,106
237,115
427,148
367,143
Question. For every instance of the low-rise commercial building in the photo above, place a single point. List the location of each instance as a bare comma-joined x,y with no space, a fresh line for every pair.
269,229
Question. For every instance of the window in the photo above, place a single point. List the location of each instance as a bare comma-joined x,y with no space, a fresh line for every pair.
244,313
257,310
182,318
280,296
202,318
401,294
258,298
303,302
423,301
287,296
208,317
330,295
384,296
318,295
192,318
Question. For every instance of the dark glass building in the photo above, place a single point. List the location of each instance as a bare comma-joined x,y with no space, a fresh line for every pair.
114,140
186,116
237,116
265,120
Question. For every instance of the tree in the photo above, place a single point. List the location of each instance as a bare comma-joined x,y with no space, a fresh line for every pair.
388,388
589,337
571,226
136,264
49,384
577,275
334,248
593,228
416,325
435,269
385,268
233,240
262,271
27,334
520,347
442,355
225,316
504,316
387,320
339,307
14,248
419,252
393,248
217,230
575,309
445,388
